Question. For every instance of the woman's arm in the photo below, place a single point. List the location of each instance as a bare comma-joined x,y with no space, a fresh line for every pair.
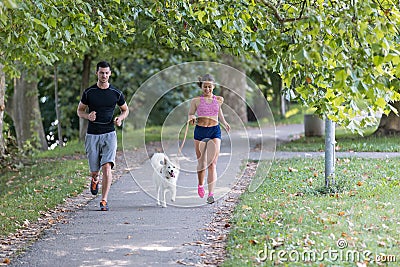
192,111
221,114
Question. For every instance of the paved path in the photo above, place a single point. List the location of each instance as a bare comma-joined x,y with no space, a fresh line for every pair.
136,232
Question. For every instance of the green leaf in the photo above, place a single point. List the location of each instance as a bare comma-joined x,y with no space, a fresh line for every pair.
302,55
200,16
68,35
10,3
39,22
184,46
100,13
149,32
52,22
380,102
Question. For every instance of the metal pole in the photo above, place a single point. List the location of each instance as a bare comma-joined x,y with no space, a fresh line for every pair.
329,152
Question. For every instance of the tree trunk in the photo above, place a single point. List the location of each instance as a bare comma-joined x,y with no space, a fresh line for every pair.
83,124
234,95
389,124
57,108
2,109
329,153
25,113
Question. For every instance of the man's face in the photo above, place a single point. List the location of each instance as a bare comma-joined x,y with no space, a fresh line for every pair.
103,74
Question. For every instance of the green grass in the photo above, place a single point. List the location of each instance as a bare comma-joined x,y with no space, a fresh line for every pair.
345,141
136,138
72,148
295,115
289,214
32,189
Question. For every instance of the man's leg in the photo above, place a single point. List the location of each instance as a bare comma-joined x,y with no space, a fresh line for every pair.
108,153
106,182
94,183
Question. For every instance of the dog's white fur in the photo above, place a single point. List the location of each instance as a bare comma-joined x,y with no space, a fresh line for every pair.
165,176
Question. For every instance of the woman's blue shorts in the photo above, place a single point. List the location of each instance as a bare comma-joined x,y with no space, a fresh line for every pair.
206,133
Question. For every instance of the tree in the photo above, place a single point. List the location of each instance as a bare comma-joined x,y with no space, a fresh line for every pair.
390,123
340,57
2,109
44,32
25,112
86,65
235,96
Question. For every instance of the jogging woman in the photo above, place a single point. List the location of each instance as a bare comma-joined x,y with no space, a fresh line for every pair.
207,133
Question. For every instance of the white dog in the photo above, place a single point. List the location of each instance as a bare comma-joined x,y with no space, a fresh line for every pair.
165,176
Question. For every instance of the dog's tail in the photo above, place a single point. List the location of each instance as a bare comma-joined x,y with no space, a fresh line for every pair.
158,159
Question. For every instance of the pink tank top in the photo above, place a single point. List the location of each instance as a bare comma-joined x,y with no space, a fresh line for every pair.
208,109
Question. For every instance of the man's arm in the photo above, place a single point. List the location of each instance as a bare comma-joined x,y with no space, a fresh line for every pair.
124,113
81,111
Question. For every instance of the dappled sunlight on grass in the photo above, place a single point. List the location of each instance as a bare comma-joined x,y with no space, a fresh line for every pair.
291,214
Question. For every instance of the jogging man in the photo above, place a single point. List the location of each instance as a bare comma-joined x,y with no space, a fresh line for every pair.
101,139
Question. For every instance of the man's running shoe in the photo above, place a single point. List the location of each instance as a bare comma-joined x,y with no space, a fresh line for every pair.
103,205
94,186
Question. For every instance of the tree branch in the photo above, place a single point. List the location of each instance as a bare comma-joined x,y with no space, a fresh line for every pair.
386,12
279,17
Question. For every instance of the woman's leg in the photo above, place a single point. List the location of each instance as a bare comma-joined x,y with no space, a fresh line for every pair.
200,148
213,148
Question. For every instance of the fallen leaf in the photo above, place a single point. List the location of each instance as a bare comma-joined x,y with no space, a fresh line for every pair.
277,243
341,213
245,207
381,244
253,242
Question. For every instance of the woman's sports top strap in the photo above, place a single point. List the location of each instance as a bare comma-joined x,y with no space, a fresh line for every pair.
208,109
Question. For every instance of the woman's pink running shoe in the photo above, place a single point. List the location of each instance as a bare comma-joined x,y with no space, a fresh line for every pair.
200,191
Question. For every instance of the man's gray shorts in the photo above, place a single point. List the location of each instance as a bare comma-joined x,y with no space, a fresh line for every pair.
101,149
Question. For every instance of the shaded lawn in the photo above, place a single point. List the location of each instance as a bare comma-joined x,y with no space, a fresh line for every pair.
289,219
